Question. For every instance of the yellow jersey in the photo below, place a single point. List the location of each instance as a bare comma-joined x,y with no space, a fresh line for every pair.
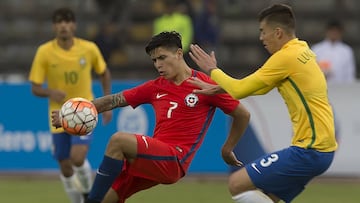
293,70
67,70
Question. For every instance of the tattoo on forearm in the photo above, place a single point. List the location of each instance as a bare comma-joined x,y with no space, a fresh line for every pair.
118,100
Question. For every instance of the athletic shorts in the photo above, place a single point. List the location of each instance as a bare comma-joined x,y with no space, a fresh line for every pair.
156,163
62,143
286,172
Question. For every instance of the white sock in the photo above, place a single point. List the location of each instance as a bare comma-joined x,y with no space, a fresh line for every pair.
71,186
84,175
253,196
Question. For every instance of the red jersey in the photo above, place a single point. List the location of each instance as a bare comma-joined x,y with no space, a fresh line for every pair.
182,117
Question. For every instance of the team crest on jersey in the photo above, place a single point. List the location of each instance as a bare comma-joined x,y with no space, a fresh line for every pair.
191,100
82,62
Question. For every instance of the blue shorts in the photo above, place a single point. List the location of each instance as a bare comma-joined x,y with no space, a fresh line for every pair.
286,172
62,143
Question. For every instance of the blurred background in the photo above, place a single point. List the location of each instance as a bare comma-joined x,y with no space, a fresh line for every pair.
123,27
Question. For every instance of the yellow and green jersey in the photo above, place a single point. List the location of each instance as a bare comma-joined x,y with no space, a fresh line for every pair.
67,70
294,71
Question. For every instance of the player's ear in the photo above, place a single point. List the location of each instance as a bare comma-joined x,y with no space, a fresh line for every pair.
279,32
179,53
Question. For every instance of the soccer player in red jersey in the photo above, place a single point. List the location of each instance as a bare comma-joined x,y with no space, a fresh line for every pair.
134,162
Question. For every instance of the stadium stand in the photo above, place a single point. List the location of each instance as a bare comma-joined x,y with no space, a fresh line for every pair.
24,25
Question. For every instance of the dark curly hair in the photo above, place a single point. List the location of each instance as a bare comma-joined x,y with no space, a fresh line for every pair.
63,14
170,40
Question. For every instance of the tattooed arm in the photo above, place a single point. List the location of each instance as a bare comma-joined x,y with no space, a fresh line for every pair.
109,102
102,104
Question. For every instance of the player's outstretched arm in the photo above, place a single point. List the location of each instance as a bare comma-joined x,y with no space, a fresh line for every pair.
109,102
102,104
235,87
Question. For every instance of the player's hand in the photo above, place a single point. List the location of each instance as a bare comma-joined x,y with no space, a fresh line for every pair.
57,96
230,158
55,119
205,61
205,88
107,116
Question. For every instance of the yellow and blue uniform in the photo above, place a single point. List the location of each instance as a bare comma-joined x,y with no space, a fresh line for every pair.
302,85
293,70
67,70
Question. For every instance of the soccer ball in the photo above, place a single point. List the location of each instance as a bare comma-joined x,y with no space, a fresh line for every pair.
78,116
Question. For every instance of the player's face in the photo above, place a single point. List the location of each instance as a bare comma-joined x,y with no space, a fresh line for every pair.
269,37
166,61
64,30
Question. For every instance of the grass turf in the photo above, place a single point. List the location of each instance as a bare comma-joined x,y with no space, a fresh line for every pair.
30,190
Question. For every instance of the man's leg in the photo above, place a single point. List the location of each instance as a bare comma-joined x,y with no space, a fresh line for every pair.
71,187
62,144
243,190
111,197
112,163
84,175
281,174
80,164
108,170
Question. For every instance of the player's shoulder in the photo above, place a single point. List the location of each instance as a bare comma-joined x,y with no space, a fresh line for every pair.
85,43
47,45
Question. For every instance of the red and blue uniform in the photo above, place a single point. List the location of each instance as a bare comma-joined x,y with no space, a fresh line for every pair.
182,120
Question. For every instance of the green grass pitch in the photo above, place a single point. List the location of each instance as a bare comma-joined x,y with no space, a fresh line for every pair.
42,190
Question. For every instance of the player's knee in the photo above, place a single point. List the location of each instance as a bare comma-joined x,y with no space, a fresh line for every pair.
117,141
237,184
78,155
120,144
234,186
77,161
239,181
66,168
